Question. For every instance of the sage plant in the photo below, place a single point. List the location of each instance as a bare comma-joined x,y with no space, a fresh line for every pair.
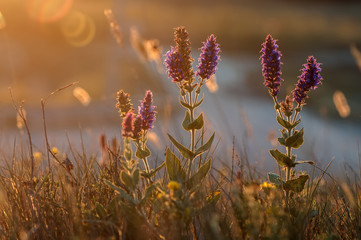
288,116
178,62
136,126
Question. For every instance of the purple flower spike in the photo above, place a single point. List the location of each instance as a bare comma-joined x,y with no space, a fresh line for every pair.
174,63
146,111
309,79
209,58
128,125
271,65
137,126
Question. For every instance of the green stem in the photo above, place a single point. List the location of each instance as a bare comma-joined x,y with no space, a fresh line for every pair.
145,160
288,169
276,103
191,111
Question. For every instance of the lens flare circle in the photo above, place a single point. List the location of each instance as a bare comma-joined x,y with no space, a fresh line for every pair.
78,29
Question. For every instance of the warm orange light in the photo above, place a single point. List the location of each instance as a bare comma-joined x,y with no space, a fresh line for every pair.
212,84
2,21
82,95
78,29
46,11
341,104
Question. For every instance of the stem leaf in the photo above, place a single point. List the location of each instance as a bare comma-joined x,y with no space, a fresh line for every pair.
197,104
275,179
142,154
198,177
282,159
147,193
152,172
184,104
100,210
121,192
309,162
174,167
127,180
284,123
297,184
296,140
282,141
128,149
188,125
187,121
206,146
182,149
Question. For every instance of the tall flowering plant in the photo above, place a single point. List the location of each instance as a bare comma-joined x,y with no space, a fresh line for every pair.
288,116
135,128
178,62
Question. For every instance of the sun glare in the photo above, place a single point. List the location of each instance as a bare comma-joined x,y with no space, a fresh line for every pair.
47,11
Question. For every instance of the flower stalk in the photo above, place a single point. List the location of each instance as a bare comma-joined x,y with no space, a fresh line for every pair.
288,116
178,63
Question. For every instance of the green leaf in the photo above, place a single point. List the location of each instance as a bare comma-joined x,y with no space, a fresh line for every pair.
152,172
284,133
206,146
282,159
309,162
184,104
296,123
121,193
198,103
296,140
100,210
135,176
182,149
297,184
196,124
174,167
126,180
148,193
198,177
127,149
284,123
187,121
275,179
140,153
282,141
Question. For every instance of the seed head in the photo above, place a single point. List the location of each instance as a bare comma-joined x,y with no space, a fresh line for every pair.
183,46
123,103
287,106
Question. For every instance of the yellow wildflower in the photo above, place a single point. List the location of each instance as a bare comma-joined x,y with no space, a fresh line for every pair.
173,185
54,150
160,195
38,157
266,185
